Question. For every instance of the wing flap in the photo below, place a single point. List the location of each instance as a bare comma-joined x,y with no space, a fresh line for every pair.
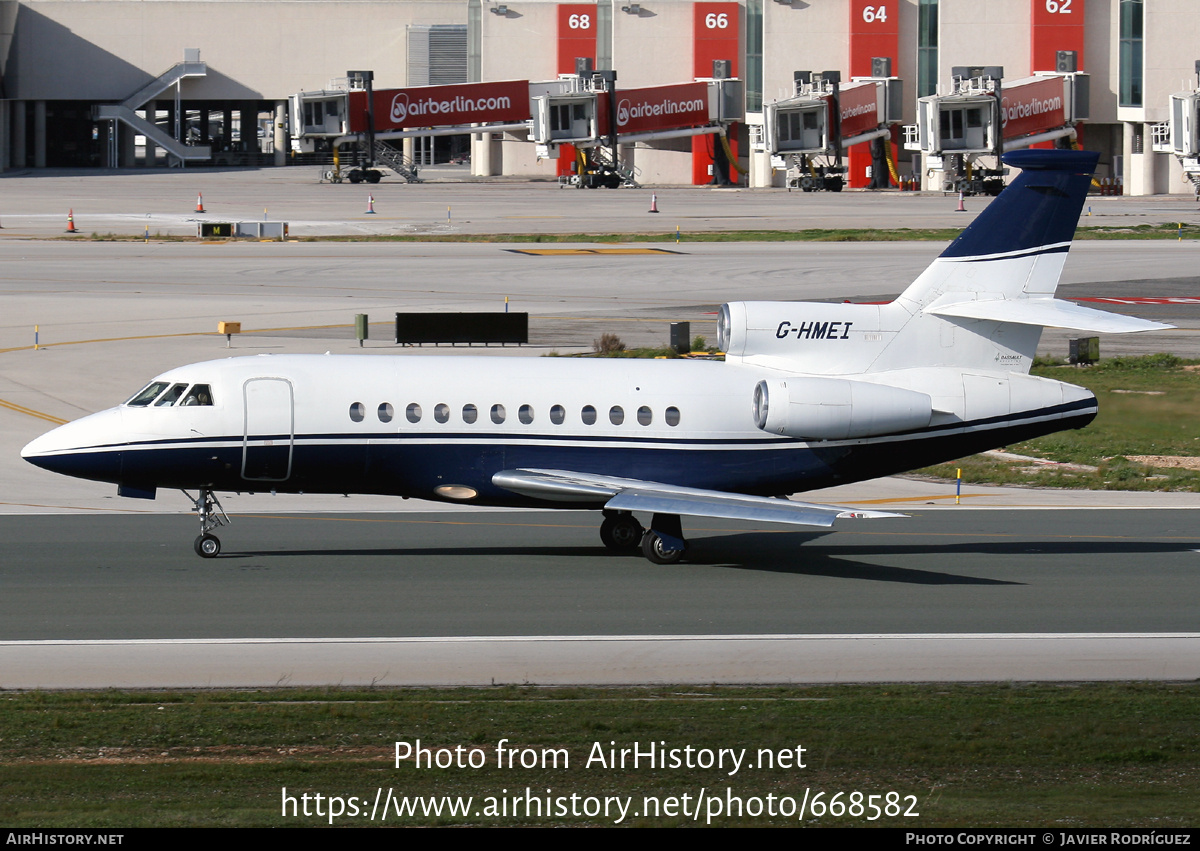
1047,312
621,494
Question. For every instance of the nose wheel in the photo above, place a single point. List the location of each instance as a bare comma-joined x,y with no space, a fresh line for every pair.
212,515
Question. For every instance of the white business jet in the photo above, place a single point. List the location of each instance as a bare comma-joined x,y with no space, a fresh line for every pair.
809,395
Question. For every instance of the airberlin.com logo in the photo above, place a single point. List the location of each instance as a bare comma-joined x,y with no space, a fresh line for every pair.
627,111
1031,107
402,107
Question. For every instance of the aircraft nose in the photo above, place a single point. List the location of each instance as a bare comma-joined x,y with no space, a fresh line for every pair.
83,448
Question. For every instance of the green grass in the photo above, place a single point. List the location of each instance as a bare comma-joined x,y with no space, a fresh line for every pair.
983,755
1129,423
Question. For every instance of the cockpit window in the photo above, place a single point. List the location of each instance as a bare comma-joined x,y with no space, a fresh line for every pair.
171,396
147,395
200,394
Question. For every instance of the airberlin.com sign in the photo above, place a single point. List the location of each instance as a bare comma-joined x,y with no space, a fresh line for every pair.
860,109
657,108
1033,107
442,106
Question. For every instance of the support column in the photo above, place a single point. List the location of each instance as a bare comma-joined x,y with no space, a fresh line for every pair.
19,159
126,146
151,155
281,133
5,137
481,155
39,134
1139,159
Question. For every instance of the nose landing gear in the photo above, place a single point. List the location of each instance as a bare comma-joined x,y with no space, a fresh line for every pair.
208,508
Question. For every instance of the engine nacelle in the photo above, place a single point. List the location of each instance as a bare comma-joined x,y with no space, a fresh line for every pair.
837,408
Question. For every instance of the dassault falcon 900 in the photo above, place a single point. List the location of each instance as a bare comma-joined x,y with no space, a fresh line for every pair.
809,395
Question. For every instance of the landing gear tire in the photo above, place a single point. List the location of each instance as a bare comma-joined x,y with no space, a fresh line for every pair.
652,549
373,176
207,546
212,516
621,533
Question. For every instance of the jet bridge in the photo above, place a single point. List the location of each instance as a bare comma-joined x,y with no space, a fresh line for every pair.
584,110
982,116
811,130
352,111
592,114
1180,134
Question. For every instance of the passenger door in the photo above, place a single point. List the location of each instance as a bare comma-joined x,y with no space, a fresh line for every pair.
269,429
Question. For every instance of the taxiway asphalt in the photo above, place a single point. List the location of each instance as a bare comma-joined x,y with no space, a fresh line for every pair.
374,590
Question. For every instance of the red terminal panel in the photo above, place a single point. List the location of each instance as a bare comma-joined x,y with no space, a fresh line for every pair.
716,29
1057,25
874,31
576,38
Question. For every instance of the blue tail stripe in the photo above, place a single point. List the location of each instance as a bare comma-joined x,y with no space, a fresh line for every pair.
1041,207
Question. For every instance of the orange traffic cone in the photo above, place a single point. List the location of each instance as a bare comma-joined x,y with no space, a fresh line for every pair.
71,222
961,208
653,203
370,204
199,202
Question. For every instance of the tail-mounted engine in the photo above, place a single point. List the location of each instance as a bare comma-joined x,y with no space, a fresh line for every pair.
837,408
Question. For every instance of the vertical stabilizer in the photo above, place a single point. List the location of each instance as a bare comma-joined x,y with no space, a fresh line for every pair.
984,301
1017,246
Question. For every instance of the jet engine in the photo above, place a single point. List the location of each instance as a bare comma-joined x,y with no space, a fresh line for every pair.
811,408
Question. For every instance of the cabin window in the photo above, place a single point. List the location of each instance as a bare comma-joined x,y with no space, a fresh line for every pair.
441,412
558,414
413,413
589,415
200,395
525,414
672,416
171,396
386,412
147,394
645,416
470,413
616,415
498,413
358,412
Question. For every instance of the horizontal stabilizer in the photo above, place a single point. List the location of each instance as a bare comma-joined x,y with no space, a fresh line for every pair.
660,498
1048,313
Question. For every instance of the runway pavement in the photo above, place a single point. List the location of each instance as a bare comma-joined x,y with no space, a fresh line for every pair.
81,564
531,597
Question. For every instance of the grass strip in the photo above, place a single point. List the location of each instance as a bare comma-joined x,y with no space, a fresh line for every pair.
970,755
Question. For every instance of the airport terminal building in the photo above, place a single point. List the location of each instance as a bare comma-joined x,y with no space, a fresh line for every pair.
753,92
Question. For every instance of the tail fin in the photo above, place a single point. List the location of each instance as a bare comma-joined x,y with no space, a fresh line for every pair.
1016,247
990,293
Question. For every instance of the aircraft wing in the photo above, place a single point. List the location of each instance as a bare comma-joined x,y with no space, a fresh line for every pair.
622,494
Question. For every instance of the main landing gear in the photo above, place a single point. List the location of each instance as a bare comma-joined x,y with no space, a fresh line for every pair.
662,543
212,515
